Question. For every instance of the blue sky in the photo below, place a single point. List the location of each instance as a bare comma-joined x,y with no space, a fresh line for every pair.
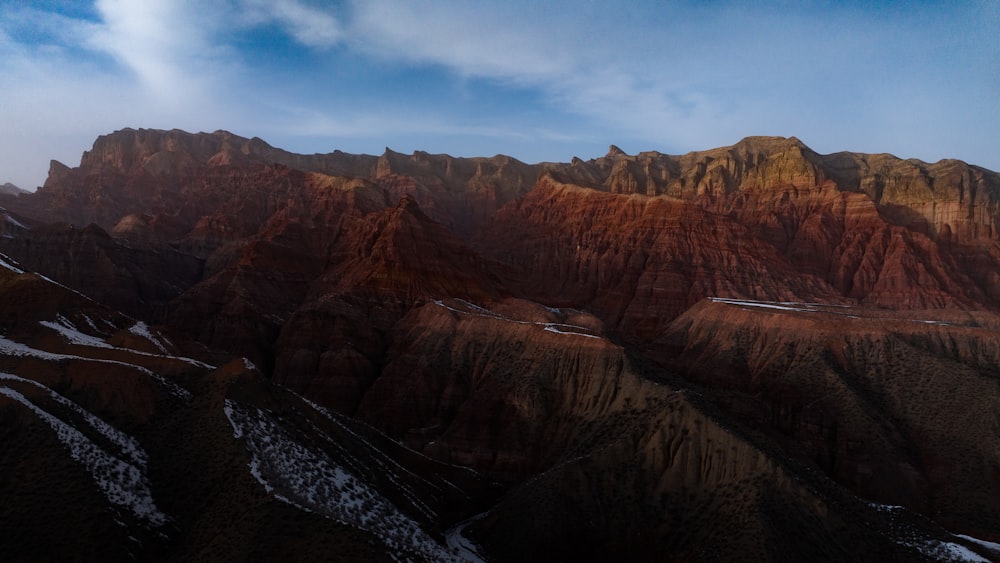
540,81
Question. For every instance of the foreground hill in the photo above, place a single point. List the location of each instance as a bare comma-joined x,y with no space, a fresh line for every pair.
754,352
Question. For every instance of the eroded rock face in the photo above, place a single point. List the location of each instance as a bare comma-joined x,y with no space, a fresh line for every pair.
381,266
637,262
603,457
892,404
156,172
619,342
950,201
132,279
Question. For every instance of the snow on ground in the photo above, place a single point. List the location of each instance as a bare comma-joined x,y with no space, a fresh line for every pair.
307,478
334,418
992,546
125,443
90,323
462,545
6,262
14,221
69,331
780,305
803,307
885,507
386,465
142,329
551,327
11,348
947,551
934,548
71,334
122,482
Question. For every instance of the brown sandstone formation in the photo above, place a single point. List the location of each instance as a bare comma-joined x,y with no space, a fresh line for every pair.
408,291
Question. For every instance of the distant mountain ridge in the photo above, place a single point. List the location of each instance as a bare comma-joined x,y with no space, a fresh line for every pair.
963,196
11,189
627,357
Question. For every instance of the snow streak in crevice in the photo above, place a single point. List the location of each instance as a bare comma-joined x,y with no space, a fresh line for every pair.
122,482
142,329
126,444
385,464
305,477
6,262
74,336
10,348
68,331
459,543
558,328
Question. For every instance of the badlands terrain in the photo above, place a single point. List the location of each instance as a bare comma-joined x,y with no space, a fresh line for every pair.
214,349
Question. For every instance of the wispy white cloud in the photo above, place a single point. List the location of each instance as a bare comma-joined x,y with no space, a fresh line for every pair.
309,26
472,39
169,44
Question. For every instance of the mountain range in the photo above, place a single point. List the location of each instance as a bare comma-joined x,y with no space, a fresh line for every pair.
211,348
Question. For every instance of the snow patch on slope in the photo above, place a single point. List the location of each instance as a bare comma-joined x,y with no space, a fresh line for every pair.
11,348
992,546
142,329
308,479
557,328
74,336
71,334
462,545
804,307
15,222
122,482
930,547
779,305
126,444
386,465
947,551
6,262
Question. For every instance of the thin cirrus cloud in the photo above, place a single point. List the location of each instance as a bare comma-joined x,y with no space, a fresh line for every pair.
540,81
309,26
169,45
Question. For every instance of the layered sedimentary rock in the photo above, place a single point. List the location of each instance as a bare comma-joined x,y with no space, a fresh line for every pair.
637,262
156,172
950,199
895,405
642,351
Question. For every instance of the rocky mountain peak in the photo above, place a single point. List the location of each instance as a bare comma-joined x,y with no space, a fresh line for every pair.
614,151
